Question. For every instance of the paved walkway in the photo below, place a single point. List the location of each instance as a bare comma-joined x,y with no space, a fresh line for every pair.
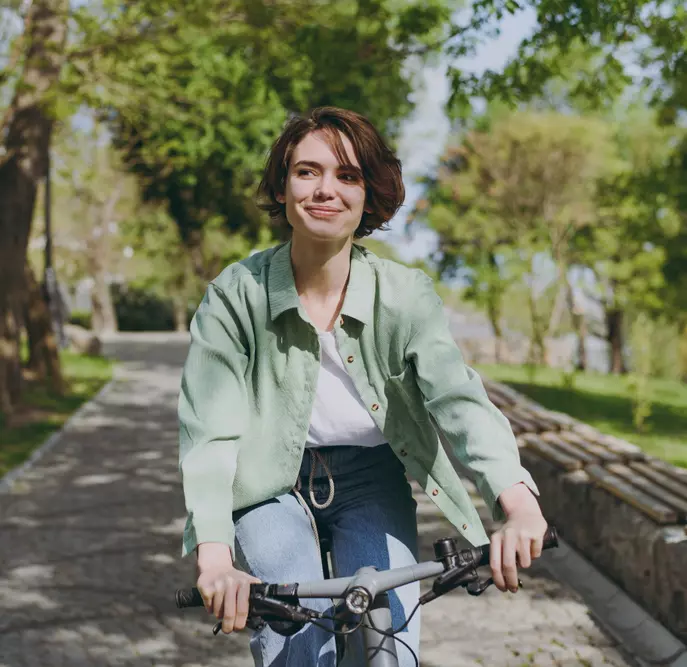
90,543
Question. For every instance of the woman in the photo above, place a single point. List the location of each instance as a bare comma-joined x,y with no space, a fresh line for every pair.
317,377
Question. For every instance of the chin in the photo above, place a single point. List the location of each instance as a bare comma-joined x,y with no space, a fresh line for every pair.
323,233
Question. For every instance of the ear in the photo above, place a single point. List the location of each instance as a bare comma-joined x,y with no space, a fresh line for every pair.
280,198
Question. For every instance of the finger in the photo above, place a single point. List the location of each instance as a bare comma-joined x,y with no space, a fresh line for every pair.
218,603
524,552
229,607
509,567
495,561
207,594
537,546
242,605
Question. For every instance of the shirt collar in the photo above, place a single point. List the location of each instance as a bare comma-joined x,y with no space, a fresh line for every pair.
360,293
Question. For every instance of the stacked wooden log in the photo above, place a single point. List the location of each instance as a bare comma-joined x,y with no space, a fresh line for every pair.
654,487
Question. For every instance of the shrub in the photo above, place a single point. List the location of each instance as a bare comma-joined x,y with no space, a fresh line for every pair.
141,310
81,318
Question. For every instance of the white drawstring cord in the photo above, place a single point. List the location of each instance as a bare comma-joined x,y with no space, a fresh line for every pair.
315,457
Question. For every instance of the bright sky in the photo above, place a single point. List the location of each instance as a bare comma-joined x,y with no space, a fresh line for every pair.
424,135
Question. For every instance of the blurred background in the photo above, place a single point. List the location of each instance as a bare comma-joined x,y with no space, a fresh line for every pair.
544,152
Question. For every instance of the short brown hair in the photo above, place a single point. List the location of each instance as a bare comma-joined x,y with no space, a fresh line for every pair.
381,169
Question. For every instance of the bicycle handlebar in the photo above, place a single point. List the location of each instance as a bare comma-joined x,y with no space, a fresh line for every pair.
452,568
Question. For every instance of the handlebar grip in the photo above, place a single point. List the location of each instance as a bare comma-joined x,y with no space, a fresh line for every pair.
550,541
189,598
550,538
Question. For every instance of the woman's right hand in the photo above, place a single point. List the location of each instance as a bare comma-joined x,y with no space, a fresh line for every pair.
224,589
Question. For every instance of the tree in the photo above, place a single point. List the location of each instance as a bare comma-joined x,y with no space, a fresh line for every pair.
172,77
93,195
472,236
195,112
518,185
28,125
636,222
612,33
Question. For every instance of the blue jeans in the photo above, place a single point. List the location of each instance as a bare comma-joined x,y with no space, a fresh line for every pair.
371,521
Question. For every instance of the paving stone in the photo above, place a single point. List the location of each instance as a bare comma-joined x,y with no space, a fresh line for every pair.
90,554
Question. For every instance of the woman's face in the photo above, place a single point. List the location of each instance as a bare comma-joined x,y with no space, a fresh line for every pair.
324,199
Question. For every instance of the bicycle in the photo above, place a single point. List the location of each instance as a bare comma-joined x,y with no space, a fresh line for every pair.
364,600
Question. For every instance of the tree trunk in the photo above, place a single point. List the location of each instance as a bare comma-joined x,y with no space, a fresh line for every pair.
494,312
44,359
579,323
614,336
537,353
21,169
494,296
180,313
103,317
10,365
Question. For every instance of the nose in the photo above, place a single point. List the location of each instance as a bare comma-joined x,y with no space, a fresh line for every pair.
326,187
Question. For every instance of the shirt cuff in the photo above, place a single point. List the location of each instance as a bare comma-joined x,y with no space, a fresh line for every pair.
208,530
492,488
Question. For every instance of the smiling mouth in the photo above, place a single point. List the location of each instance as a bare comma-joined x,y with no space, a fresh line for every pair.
322,211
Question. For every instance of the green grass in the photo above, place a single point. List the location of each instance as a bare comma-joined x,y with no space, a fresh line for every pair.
42,412
605,402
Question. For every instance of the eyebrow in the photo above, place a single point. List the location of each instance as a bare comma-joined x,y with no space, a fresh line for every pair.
317,165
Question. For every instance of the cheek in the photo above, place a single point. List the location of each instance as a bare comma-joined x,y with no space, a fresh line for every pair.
356,198
298,190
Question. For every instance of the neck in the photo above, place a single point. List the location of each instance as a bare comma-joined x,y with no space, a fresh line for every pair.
320,270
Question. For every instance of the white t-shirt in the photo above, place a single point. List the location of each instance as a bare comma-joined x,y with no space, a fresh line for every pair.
339,416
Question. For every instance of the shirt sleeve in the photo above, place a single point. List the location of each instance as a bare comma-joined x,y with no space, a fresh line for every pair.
479,434
213,414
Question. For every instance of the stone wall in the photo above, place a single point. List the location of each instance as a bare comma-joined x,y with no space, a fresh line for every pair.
623,510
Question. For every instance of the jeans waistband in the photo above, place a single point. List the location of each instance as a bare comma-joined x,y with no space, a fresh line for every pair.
346,459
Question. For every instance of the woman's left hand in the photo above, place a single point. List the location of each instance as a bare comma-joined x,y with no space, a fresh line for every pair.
519,540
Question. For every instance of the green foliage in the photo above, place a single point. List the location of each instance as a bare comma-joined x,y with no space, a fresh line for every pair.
641,340
139,310
517,185
636,219
584,191
568,378
81,318
602,36
196,104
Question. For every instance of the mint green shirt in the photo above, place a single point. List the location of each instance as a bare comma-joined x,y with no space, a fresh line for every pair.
250,377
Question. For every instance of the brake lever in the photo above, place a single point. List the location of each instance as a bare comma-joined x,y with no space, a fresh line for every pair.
478,587
277,609
251,624
448,581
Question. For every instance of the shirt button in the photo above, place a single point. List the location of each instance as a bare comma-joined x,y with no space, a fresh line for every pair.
404,453
465,526
435,492
375,406
350,359
341,321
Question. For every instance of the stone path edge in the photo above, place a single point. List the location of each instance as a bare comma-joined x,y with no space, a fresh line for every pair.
10,477
642,638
